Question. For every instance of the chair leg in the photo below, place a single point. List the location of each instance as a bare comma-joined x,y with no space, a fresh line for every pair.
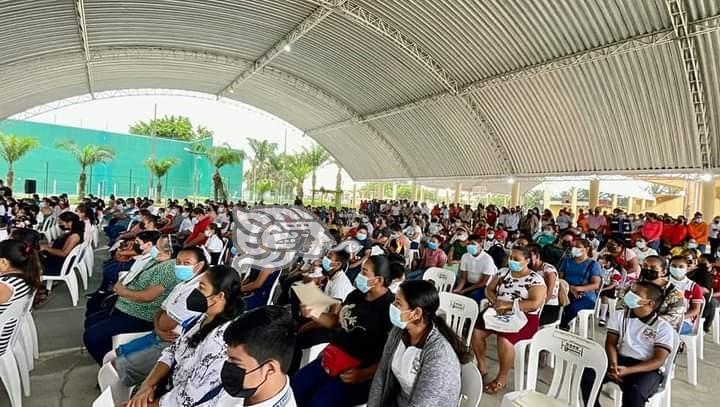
72,285
701,339
691,349
11,379
48,285
23,368
33,336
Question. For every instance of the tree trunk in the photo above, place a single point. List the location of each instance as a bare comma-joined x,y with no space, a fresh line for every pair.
299,189
158,190
314,180
81,184
10,177
338,188
218,189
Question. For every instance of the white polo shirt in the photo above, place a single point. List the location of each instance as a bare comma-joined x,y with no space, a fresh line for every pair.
339,286
638,340
285,398
175,305
477,266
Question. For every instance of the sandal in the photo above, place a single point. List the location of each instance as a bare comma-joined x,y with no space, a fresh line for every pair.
494,387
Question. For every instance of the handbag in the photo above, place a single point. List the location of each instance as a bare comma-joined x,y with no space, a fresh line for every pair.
508,323
335,360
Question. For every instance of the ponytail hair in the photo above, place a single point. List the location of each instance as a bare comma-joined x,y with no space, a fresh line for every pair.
423,294
224,280
23,258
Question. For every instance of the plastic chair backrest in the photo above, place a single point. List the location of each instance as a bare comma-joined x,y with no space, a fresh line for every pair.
572,354
105,399
273,289
72,259
444,280
10,320
670,362
460,314
471,387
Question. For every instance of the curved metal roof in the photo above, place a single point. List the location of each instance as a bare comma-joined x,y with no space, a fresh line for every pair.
399,89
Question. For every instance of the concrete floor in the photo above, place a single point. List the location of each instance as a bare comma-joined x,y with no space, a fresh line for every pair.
66,377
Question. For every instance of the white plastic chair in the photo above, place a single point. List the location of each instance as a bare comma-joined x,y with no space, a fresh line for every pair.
89,258
81,266
273,290
573,353
12,369
471,387
311,353
460,311
663,398
67,275
108,378
105,399
444,280
28,338
693,347
122,339
716,326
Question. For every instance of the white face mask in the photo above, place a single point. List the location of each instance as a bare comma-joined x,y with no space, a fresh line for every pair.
640,245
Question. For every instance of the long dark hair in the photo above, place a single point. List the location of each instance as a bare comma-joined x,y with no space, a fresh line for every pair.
381,268
77,226
224,280
24,258
423,294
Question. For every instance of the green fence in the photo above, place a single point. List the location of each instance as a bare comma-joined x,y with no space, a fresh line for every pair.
56,171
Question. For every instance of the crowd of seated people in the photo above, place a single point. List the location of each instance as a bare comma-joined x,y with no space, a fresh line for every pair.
208,337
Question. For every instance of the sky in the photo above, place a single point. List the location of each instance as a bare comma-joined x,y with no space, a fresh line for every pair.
232,123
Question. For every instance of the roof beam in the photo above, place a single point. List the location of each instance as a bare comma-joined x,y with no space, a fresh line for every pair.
82,30
317,16
368,19
688,52
633,44
495,139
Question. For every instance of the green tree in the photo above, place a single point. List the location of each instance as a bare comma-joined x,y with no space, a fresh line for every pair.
86,156
263,187
263,151
172,127
298,168
219,157
159,168
12,148
317,157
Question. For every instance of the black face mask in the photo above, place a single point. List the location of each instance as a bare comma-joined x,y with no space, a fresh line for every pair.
197,302
137,249
232,378
647,274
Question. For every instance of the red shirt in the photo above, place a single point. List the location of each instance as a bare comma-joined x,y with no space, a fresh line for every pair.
668,230
679,234
491,218
652,230
501,235
199,230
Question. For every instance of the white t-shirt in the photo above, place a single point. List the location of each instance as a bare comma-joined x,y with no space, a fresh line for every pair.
186,225
550,269
641,255
339,286
405,366
411,230
285,398
175,305
638,340
476,266
214,244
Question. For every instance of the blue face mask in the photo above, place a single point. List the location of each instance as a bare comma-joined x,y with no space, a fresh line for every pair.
632,300
678,273
396,317
183,273
154,252
327,263
472,249
514,266
361,282
432,245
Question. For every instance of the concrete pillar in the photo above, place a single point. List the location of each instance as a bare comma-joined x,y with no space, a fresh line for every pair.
708,199
447,197
394,190
414,191
354,196
458,188
613,202
630,206
573,200
515,194
422,193
546,197
594,198
692,195
643,202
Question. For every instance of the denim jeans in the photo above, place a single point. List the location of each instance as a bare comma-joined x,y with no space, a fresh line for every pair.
314,388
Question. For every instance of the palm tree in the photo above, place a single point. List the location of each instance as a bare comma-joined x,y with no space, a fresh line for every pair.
316,157
159,168
263,150
264,186
338,185
219,157
298,169
12,148
86,156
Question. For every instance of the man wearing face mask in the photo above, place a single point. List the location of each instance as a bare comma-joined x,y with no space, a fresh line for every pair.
476,270
672,304
699,231
637,345
260,346
135,360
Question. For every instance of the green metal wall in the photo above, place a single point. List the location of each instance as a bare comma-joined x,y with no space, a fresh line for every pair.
56,171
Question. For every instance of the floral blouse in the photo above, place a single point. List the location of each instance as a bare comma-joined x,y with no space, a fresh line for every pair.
197,370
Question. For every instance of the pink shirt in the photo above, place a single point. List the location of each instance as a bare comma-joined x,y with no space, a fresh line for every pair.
433,258
595,222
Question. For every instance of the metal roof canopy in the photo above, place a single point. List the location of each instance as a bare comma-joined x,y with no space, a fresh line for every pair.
428,90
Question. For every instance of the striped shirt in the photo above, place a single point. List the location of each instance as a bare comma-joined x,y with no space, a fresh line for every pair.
19,291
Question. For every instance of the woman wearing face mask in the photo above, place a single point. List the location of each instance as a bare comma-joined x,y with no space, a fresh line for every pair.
624,257
53,257
134,360
642,250
551,309
422,354
342,375
458,246
214,243
432,256
138,296
699,231
196,358
519,284
584,276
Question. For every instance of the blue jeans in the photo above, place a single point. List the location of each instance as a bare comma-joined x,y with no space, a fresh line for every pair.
572,309
314,388
101,326
415,275
477,294
686,328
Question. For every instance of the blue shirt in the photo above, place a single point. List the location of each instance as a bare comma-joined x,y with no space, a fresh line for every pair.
581,273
